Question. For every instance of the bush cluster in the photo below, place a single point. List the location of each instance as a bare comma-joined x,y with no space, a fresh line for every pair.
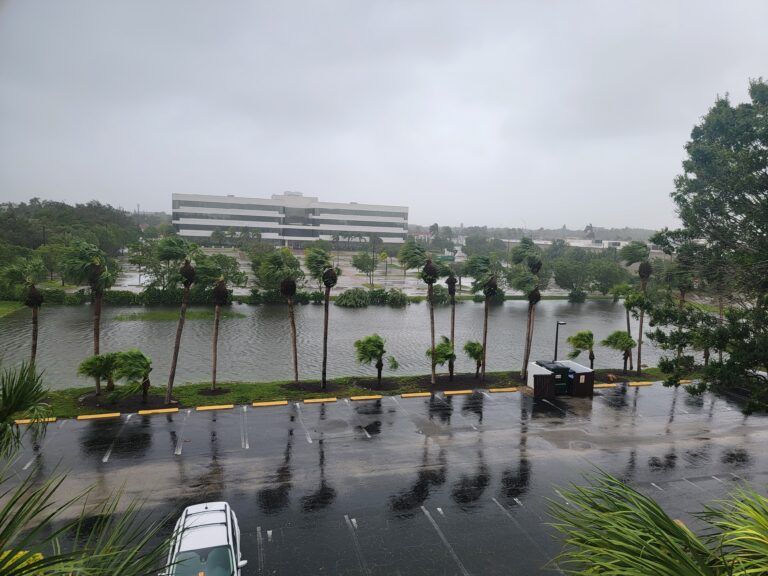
361,298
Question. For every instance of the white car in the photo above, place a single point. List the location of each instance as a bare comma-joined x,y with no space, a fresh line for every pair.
206,542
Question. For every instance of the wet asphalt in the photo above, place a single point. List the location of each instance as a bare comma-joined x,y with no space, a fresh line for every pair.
425,486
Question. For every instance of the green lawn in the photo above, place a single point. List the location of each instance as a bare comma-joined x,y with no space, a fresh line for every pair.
8,306
172,315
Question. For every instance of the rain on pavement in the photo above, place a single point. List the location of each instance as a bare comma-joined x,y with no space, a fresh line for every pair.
442,485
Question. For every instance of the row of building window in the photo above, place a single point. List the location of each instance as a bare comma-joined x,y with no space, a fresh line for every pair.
276,219
304,232
182,204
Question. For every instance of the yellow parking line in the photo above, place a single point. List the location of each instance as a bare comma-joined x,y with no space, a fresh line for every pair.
510,389
35,420
371,397
641,383
686,381
215,407
318,400
598,386
157,411
415,395
272,403
98,416
457,392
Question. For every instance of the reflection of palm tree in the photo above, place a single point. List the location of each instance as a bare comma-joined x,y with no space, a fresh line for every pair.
468,489
441,408
273,500
515,482
474,404
427,477
325,493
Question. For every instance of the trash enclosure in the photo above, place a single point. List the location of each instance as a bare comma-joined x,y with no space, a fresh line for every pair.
562,378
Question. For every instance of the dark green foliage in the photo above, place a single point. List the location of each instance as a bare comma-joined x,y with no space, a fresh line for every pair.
330,276
443,352
122,298
377,297
353,298
430,272
21,393
316,297
396,298
440,295
317,260
577,296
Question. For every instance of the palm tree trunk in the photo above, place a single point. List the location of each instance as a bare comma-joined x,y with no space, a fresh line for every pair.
721,312
629,331
97,333
640,343
528,339
323,382
478,364
626,356
453,344
485,338
379,367
216,319
35,310
177,344
110,383
432,333
293,342
591,360
144,390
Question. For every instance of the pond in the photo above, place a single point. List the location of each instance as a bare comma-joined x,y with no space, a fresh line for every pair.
256,346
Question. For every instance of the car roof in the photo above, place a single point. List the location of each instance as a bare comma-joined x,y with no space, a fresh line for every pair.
204,526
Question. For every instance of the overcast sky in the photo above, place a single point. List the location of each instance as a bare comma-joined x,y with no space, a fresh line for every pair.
537,113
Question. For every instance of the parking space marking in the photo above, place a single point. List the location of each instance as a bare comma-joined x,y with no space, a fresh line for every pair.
718,479
157,411
401,407
737,476
554,405
657,486
271,403
356,541
105,459
42,445
416,395
301,421
447,544
215,407
370,397
693,483
244,429
259,550
356,418
445,402
180,439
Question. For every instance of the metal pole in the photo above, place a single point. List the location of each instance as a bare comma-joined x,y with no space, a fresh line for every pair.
557,333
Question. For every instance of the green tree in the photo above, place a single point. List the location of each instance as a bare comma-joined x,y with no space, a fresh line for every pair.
134,367
85,263
621,341
411,255
634,252
27,272
527,276
384,259
188,275
573,276
583,341
370,349
101,366
475,352
443,352
22,394
330,278
451,283
489,291
644,271
365,263
275,267
218,237
629,298
430,274
604,274
316,260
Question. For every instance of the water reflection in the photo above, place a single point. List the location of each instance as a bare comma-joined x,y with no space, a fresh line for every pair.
431,474
736,457
325,493
515,481
274,499
473,404
370,409
442,408
468,489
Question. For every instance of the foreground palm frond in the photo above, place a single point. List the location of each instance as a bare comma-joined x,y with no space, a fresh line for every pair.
21,393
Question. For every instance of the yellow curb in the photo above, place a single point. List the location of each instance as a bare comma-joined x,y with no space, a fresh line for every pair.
35,420
686,381
641,383
598,386
457,392
415,395
318,400
511,389
371,397
157,411
98,416
216,407
272,403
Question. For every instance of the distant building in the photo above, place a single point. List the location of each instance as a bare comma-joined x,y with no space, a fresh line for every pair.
289,219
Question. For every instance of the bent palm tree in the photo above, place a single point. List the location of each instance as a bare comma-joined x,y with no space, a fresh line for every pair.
220,296
134,366
330,277
644,271
188,276
534,297
28,273
21,393
288,291
474,350
451,283
583,341
622,342
101,366
371,350
429,274
443,352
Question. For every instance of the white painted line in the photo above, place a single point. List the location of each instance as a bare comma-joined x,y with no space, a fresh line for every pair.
718,479
356,542
180,439
260,549
356,418
519,503
269,535
244,429
657,487
484,393
693,484
301,421
553,405
39,451
354,523
440,510
105,459
563,497
401,407
737,476
447,544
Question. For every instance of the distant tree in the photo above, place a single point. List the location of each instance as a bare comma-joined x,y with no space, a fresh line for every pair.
628,294
443,352
371,350
27,272
100,366
188,275
411,255
489,291
583,341
526,275
275,267
316,260
434,230
604,274
621,341
475,352
330,278
134,367
218,237
634,252
644,271
384,259
364,262
573,276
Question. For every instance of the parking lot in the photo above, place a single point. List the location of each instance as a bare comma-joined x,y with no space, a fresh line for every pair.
441,485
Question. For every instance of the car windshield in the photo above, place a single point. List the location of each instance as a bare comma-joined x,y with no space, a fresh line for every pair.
214,561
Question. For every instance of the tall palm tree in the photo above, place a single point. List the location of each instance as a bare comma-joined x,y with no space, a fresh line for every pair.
622,342
288,291
474,350
220,295
644,271
134,366
451,283
85,263
430,274
490,289
330,277
188,276
534,297
101,366
625,292
29,272
583,341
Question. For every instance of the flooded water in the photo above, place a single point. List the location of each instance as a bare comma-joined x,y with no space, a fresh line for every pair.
257,346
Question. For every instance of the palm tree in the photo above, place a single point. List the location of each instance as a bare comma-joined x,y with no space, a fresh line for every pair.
220,295
28,273
490,289
330,277
534,297
583,341
429,274
188,275
625,292
644,271
622,342
474,350
101,366
371,349
85,263
645,540
288,291
134,366
451,283
443,352
21,394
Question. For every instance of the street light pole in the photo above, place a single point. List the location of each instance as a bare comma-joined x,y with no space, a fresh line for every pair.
557,333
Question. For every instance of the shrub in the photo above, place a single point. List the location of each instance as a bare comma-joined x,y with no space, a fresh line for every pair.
317,297
397,298
121,298
55,296
79,297
577,296
497,298
377,297
416,299
440,295
353,298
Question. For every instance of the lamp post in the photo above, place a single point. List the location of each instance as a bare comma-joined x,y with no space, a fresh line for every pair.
557,333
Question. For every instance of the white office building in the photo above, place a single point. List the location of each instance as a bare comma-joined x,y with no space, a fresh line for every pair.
289,218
